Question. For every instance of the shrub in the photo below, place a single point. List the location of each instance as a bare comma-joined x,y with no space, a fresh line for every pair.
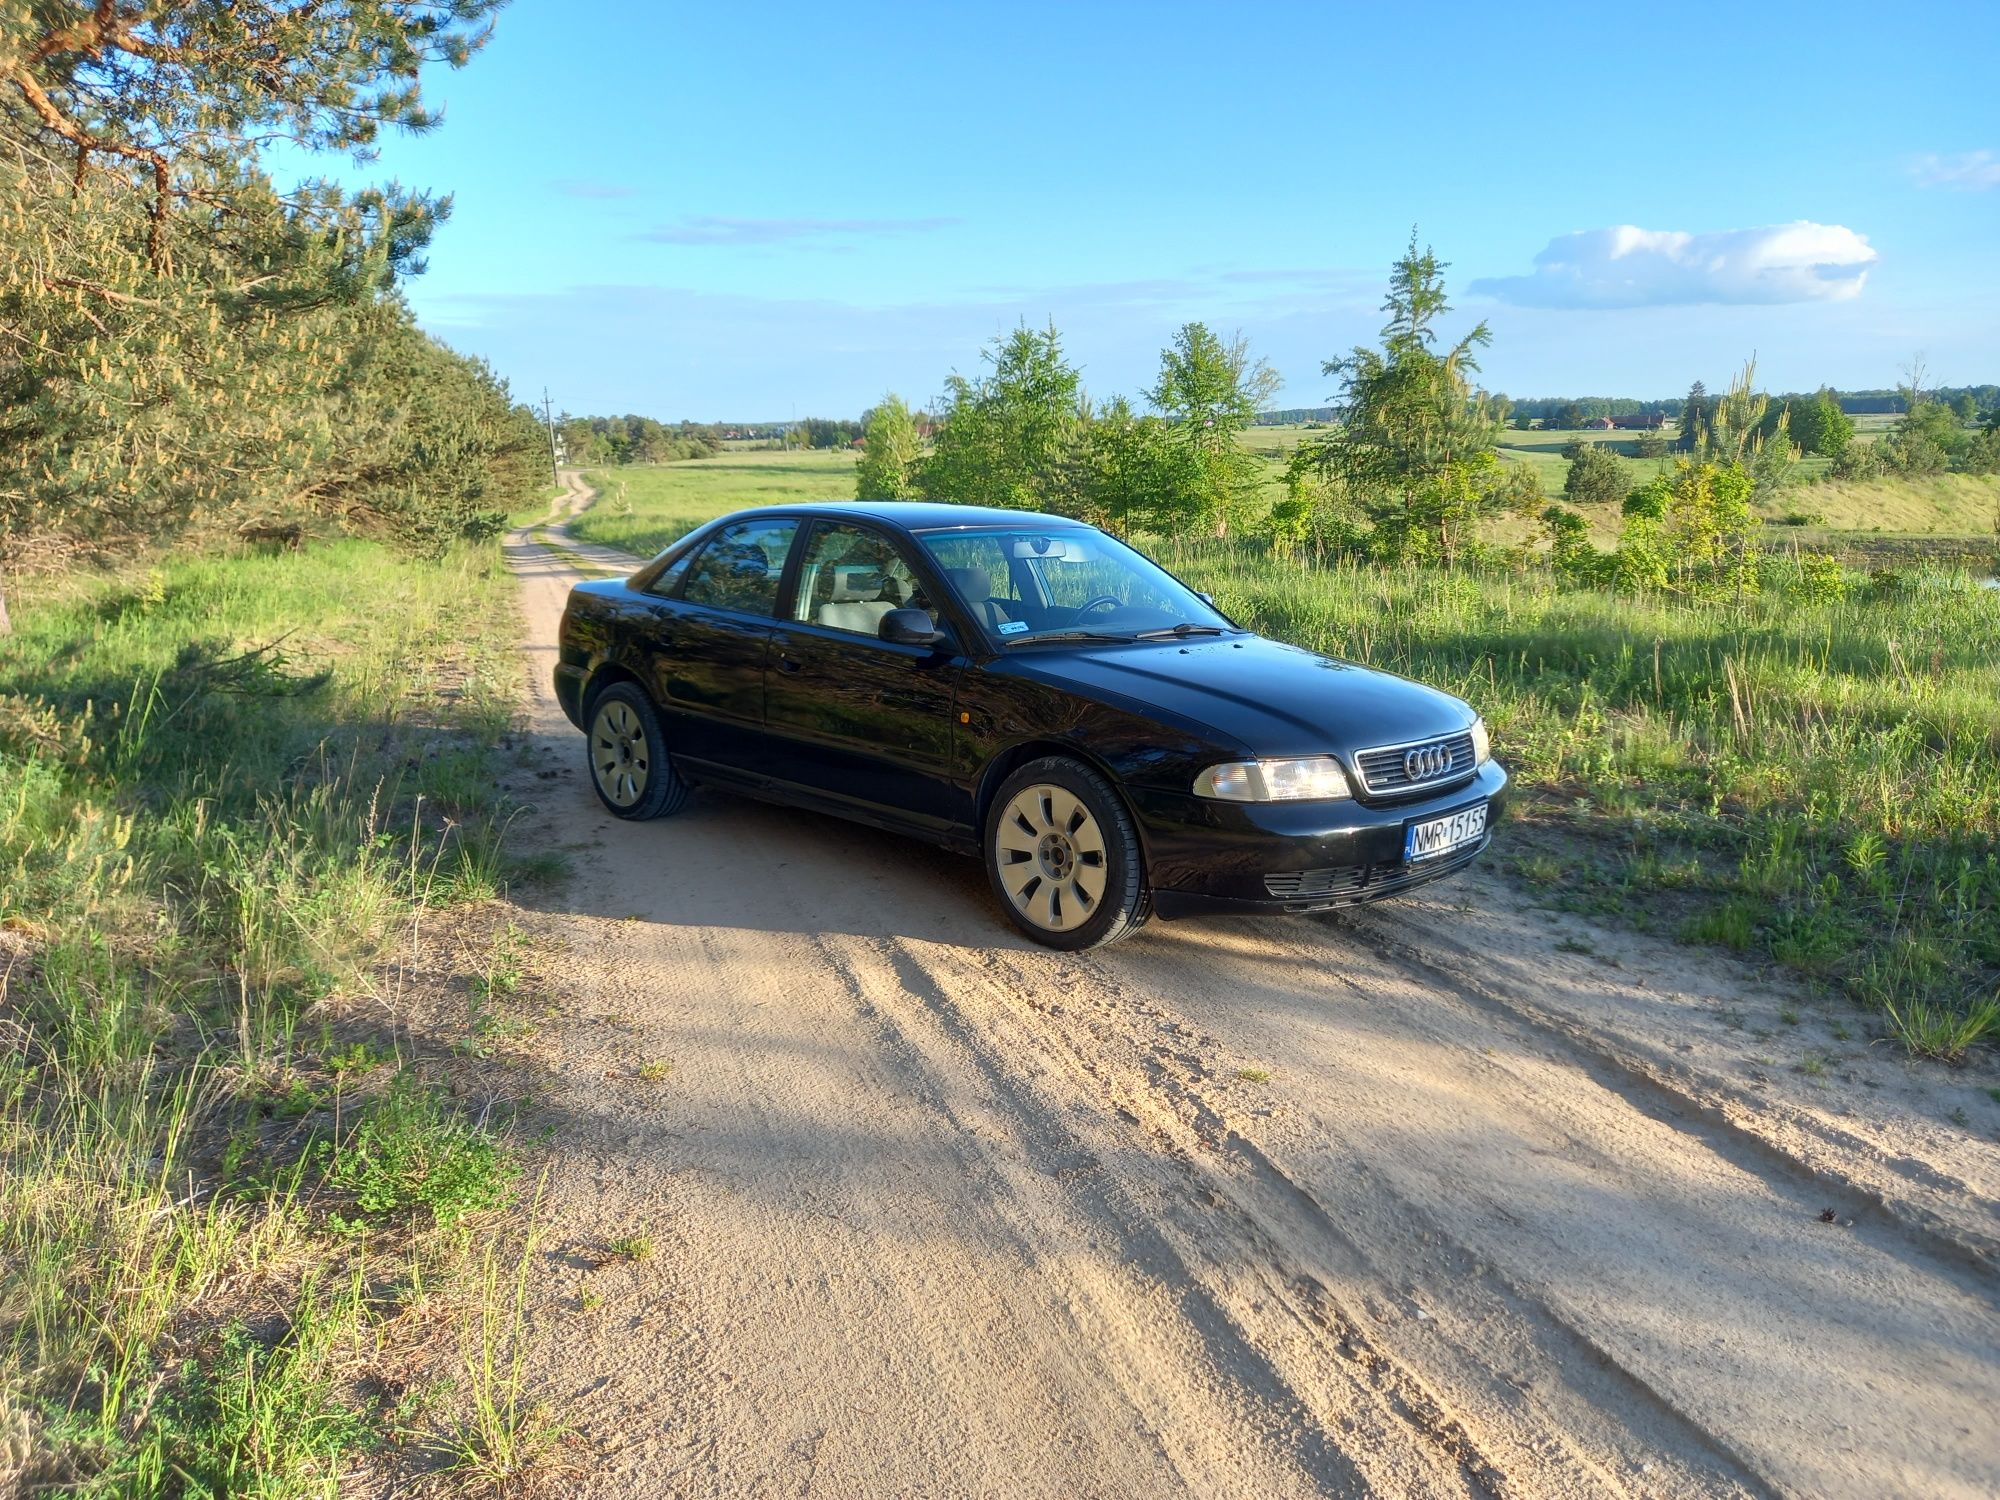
1594,478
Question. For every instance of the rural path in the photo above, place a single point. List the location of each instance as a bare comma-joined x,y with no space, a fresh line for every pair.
1451,1196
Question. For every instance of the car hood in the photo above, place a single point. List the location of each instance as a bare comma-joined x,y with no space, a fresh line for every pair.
1272,698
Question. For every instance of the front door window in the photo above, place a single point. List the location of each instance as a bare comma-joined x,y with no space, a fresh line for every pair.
850,579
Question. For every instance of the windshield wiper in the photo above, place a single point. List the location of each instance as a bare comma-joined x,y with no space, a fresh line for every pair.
1166,632
1067,635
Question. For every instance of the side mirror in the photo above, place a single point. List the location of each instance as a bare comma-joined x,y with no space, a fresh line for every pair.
909,627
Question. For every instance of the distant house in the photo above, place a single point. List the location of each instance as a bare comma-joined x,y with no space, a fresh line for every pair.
1641,421
1600,424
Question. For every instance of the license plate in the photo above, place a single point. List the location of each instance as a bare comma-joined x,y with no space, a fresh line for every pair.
1437,836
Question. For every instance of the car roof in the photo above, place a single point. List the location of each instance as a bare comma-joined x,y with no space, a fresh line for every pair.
918,515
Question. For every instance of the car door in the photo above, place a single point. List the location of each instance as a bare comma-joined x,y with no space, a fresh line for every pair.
858,722
707,643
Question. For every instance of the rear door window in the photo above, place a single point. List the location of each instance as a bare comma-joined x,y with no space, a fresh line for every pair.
741,566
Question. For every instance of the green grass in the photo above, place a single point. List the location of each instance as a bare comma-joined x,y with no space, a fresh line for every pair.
229,787
644,507
1815,784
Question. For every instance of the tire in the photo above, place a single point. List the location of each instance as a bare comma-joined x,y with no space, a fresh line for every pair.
1063,856
627,756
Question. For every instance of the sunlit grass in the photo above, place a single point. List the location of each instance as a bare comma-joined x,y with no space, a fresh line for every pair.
1835,767
642,508
229,787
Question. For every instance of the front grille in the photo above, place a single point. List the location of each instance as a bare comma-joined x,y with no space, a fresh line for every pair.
1387,770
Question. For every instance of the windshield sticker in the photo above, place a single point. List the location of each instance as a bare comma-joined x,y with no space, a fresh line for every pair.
1013,627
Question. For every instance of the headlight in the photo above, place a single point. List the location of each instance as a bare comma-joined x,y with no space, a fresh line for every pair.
1482,745
1314,778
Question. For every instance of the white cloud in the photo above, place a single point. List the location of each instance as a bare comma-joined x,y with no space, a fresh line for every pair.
1625,266
1969,171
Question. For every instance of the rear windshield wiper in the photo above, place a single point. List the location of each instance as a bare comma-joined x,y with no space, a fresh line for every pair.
1167,632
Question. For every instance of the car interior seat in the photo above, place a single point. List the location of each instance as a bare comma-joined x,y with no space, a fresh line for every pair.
976,589
856,602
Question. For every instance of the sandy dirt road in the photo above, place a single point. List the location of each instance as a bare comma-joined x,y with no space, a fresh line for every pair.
1450,1196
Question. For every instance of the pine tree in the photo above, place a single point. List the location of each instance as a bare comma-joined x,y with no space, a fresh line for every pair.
1012,437
158,364
1694,419
1414,442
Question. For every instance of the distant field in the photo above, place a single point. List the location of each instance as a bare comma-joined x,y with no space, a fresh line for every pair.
1947,505
646,506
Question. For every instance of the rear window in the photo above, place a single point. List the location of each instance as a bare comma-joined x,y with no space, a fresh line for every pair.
740,567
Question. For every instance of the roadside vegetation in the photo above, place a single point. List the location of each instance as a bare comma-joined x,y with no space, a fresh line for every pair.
1812,783
237,1205
255,692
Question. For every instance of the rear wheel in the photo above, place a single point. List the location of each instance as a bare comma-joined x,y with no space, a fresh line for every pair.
1063,856
628,757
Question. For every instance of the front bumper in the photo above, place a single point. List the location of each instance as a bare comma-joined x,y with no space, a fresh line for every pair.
1204,855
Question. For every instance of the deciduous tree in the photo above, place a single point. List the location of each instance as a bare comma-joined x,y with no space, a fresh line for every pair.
1209,391
890,453
1011,437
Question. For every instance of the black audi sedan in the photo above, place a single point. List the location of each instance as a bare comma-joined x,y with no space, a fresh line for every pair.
1029,690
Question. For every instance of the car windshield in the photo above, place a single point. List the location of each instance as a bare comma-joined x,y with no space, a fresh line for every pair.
1071,583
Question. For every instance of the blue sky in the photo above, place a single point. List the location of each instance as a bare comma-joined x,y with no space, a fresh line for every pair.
734,212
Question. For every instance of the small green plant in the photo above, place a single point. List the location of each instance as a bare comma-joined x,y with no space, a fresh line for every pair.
1574,945
505,1435
1813,1064
633,1247
1254,1075
1937,1031
411,1152
1732,924
504,968
357,1058
655,1070
1789,1014
296,1099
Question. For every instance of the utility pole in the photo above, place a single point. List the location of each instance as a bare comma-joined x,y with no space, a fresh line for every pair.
549,416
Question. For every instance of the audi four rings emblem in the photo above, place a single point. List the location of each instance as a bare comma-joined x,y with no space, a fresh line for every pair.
1426,761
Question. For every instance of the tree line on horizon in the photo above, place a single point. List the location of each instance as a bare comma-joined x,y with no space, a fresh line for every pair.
184,344
1407,470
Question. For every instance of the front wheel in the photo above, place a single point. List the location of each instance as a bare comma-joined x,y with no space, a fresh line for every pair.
1063,856
628,758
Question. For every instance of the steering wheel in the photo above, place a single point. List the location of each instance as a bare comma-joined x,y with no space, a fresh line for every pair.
1102,599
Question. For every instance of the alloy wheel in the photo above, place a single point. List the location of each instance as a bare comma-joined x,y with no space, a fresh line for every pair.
1051,857
620,758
